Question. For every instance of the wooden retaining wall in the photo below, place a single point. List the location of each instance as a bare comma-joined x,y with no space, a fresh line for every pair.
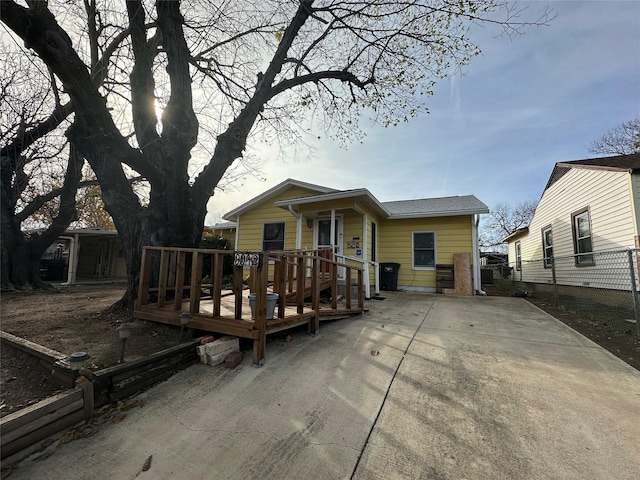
50,360
26,431
121,381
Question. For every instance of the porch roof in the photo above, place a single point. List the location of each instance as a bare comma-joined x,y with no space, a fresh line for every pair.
361,194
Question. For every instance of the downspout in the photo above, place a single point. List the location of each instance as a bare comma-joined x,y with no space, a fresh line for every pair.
298,227
235,244
477,287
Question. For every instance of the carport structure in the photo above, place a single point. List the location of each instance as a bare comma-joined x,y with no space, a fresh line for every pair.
174,281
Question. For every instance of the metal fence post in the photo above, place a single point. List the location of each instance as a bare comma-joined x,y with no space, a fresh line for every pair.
555,283
634,291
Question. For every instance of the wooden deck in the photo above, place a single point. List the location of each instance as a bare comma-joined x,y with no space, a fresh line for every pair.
173,281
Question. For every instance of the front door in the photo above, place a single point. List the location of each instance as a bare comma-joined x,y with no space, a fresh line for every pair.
322,237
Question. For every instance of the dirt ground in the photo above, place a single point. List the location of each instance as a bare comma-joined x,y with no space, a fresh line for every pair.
74,319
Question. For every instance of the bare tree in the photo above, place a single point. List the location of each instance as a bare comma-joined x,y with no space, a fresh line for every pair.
502,221
37,167
621,140
231,74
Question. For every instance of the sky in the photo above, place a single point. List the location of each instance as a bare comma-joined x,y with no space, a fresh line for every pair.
496,130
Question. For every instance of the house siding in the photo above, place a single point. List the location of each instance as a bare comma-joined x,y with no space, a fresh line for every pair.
606,195
453,235
251,222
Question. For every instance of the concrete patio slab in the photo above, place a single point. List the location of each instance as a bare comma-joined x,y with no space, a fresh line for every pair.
422,386
494,388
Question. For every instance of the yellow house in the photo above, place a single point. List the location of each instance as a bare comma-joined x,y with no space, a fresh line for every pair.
421,236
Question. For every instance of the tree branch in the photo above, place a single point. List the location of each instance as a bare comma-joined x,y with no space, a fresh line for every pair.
316,77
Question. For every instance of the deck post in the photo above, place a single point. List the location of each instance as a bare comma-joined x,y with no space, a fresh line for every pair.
216,282
360,292
180,272
280,284
260,284
162,281
145,276
334,286
300,285
314,322
173,258
196,282
347,291
237,291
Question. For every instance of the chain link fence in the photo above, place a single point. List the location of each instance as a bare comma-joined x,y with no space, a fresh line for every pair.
602,286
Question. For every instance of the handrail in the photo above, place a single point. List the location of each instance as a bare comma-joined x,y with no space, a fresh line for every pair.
376,273
171,281
324,259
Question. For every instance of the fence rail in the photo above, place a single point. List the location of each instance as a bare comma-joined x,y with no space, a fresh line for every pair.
602,286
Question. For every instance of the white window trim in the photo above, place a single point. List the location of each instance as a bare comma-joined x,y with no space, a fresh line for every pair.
547,260
518,252
435,252
582,259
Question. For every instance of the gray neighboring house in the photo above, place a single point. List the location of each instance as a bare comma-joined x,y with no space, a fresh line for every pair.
84,255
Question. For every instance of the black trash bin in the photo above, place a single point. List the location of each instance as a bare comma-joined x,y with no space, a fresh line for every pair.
389,276
55,270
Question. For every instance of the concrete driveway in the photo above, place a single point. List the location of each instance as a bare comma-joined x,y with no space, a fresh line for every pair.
422,386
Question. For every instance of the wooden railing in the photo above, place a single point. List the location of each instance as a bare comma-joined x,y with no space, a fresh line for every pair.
212,285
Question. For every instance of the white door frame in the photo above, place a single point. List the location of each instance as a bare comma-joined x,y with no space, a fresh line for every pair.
337,248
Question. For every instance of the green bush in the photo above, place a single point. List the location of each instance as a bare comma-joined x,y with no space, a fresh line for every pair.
212,241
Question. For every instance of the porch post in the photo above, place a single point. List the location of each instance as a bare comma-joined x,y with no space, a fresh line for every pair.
365,256
333,232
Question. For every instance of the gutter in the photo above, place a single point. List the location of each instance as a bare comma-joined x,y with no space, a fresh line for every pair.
450,213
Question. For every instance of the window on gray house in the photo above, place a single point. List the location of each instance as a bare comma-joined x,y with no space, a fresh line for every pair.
547,246
582,243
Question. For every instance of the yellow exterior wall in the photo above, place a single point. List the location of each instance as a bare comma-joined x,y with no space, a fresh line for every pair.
453,235
251,222
394,237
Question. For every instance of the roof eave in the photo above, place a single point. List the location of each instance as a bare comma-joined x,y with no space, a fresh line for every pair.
595,167
516,234
449,213
231,216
